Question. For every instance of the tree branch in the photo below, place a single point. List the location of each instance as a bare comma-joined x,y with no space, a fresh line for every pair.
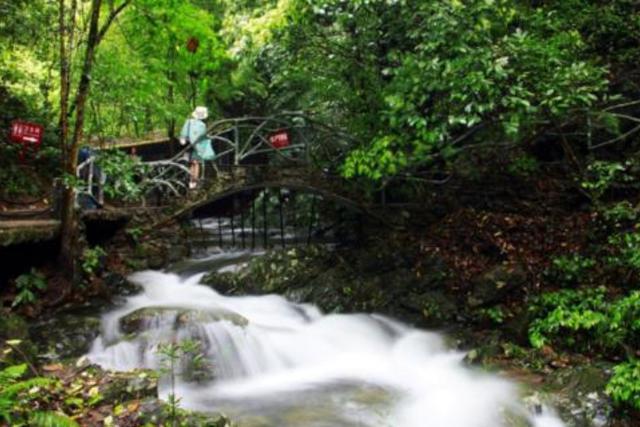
625,105
112,17
627,117
620,138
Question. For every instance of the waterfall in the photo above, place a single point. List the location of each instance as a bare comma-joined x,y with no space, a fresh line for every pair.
277,363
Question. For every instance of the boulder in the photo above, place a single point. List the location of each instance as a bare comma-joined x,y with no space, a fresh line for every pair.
493,286
435,307
125,386
578,394
224,283
137,321
66,336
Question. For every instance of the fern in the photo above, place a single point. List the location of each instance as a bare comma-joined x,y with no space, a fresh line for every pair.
26,385
51,419
14,394
12,373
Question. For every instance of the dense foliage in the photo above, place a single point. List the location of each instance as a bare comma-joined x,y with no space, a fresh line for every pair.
418,81
18,394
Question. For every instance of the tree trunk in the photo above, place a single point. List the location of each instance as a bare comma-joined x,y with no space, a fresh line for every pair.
172,79
64,83
69,228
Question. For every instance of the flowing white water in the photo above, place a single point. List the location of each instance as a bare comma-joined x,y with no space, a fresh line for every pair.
282,364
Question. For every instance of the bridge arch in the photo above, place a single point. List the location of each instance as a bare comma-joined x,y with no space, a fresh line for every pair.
204,207
303,213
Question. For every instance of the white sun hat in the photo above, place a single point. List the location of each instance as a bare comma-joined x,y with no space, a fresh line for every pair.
200,113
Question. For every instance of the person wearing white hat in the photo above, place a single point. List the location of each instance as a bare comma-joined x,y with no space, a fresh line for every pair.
194,132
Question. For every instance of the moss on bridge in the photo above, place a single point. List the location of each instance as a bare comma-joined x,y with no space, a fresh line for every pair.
27,231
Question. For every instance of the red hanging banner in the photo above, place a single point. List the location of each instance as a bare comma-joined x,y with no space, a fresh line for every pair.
279,139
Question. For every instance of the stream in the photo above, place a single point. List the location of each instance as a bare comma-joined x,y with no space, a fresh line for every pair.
281,364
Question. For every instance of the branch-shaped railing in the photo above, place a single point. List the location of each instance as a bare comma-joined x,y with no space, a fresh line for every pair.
240,141
247,140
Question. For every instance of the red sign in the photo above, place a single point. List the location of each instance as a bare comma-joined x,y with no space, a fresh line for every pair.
27,133
280,139
193,44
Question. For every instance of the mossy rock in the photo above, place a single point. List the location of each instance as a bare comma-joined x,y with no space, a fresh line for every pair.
137,321
156,412
13,327
65,336
578,394
119,285
493,286
224,283
435,306
125,386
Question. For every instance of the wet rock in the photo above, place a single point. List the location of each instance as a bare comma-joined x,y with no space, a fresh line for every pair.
435,307
331,291
371,280
517,327
156,262
224,283
485,351
13,327
301,295
155,412
65,336
493,286
119,285
177,252
579,395
125,386
138,321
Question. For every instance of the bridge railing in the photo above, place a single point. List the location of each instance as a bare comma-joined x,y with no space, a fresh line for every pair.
91,181
238,142
163,176
247,140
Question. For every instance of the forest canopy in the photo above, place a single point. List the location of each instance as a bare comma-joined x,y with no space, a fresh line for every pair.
414,82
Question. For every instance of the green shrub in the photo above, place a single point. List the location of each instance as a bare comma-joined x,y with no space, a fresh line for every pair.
601,175
123,175
624,386
624,321
563,315
27,285
91,259
135,233
523,166
626,247
571,269
495,315
186,360
619,214
585,320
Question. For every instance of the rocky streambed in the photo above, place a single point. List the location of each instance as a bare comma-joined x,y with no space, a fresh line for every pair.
393,282
398,282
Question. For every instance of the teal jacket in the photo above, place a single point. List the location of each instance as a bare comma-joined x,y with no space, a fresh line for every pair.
195,131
